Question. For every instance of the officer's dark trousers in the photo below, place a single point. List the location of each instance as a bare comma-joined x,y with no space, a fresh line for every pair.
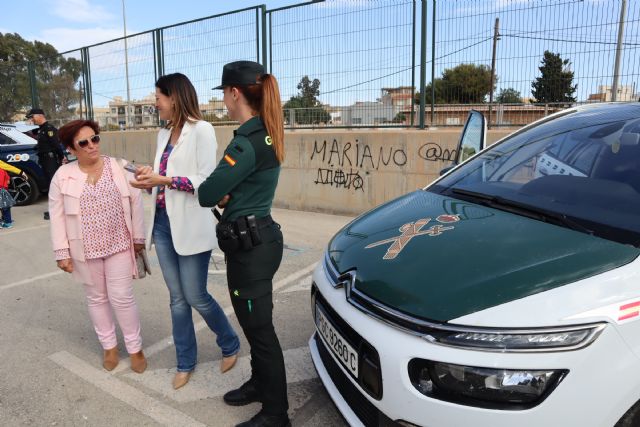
49,164
250,274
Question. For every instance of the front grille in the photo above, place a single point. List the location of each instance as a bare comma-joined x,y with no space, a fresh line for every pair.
360,405
368,414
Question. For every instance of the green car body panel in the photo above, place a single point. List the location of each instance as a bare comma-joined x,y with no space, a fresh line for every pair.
475,258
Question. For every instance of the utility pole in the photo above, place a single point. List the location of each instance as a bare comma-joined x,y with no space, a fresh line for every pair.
433,65
81,95
616,69
496,37
126,67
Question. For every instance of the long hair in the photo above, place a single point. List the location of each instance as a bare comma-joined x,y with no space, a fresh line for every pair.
264,99
69,131
178,87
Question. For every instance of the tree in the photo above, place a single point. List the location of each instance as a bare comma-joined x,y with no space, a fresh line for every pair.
463,84
307,108
400,118
440,99
555,81
509,96
55,75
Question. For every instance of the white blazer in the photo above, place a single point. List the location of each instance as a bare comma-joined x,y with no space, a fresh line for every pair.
193,156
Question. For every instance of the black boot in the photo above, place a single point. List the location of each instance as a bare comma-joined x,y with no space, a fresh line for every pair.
247,393
265,420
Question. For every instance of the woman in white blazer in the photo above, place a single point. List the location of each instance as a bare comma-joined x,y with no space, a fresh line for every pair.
182,231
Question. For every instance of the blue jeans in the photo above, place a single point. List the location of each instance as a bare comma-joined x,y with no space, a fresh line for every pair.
6,215
186,278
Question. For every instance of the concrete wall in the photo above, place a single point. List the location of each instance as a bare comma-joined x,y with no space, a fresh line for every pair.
334,170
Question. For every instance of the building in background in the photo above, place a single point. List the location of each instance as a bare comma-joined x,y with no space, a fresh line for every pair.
142,113
625,93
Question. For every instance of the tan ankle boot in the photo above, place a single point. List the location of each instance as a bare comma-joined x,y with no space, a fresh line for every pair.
181,379
110,359
138,362
228,362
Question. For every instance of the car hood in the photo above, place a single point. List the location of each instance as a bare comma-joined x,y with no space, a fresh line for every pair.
457,258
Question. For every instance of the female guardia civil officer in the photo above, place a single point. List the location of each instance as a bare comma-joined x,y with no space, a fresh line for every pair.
244,183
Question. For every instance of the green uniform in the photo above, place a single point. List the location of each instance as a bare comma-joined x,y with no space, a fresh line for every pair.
249,172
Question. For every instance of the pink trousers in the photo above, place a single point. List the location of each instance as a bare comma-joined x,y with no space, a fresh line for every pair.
113,289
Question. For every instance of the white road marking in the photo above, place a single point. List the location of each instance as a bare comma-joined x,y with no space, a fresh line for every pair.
20,230
217,272
303,285
207,381
168,341
30,280
122,391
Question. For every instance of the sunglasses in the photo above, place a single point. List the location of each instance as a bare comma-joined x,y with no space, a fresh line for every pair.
84,142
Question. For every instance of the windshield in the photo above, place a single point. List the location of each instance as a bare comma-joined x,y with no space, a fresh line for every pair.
588,179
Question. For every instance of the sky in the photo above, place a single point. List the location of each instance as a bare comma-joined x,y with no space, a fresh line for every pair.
71,24
354,47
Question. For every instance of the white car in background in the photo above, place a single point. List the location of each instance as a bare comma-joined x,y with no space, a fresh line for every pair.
506,293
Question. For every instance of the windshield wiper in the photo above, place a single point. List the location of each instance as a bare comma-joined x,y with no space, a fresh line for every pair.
531,211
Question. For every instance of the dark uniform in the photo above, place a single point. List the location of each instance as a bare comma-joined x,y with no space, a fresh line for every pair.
50,152
253,246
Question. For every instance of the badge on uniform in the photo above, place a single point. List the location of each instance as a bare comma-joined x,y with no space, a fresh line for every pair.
50,133
268,140
229,160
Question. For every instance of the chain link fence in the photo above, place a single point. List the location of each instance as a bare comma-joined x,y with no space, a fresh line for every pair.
353,63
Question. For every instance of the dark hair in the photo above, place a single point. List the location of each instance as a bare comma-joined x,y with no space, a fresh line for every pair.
179,88
69,131
264,99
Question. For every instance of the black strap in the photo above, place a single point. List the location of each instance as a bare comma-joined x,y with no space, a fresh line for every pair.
264,221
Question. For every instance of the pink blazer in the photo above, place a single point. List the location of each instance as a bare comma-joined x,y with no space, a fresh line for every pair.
66,222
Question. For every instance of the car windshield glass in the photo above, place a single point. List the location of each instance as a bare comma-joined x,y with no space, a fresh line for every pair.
586,179
9,135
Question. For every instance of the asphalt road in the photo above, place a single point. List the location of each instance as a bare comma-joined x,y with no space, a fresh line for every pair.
50,358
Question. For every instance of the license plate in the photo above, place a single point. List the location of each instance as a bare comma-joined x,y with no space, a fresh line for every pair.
336,343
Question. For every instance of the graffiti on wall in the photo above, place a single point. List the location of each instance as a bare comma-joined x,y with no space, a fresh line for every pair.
343,164
433,152
357,154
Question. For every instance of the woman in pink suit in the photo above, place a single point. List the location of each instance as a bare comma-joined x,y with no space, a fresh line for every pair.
96,228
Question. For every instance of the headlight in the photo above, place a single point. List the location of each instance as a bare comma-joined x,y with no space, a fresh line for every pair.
568,338
484,387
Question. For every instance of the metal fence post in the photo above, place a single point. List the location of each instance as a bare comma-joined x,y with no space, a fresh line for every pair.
158,54
86,77
33,84
265,63
423,61
270,44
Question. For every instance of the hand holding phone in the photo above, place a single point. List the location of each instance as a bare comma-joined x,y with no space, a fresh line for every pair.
131,167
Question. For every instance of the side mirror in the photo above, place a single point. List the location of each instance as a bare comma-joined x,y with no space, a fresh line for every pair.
473,136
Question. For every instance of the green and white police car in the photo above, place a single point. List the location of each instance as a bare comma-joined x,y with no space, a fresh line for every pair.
506,293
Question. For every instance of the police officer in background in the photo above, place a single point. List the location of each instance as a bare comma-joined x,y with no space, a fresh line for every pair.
244,183
50,154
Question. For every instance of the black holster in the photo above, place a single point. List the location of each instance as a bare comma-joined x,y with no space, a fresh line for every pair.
243,233
227,238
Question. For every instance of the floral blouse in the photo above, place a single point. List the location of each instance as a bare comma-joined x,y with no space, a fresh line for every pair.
102,215
179,183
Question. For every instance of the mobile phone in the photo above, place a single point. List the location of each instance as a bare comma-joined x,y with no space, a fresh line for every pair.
131,167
